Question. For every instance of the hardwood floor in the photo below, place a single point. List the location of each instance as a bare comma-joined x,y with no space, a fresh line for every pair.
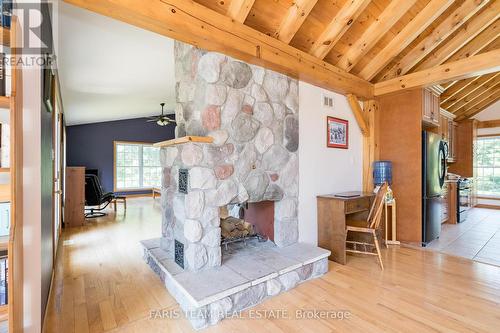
102,285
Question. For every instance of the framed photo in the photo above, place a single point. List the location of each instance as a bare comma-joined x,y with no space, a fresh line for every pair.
337,133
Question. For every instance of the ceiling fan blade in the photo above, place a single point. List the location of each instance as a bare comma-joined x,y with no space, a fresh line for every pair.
151,120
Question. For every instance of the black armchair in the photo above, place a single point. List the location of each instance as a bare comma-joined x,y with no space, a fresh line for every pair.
95,198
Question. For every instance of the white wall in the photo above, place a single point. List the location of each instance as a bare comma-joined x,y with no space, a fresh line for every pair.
324,170
32,193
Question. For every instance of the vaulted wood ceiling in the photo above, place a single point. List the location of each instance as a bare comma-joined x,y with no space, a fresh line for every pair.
379,40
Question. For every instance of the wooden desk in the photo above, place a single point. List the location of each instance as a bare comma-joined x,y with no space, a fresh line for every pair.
332,215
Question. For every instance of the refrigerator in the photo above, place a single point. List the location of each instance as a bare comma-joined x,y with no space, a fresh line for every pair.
433,177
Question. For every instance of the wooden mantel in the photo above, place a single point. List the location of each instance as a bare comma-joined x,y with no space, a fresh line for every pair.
184,139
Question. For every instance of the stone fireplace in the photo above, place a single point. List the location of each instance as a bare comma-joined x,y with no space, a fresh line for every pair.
246,122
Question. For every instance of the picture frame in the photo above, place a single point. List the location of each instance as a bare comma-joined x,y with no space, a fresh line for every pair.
337,133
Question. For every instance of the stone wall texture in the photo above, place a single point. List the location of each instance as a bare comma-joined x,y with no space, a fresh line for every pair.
252,114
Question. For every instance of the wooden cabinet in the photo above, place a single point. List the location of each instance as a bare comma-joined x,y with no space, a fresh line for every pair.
463,147
452,205
430,110
74,198
445,209
452,141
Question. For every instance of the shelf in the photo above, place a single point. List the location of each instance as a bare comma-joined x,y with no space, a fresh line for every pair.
4,169
4,102
5,36
184,139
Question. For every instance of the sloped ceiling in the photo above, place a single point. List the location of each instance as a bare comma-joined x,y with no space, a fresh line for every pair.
110,70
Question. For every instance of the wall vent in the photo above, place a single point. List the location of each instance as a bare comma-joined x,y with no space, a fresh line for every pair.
328,101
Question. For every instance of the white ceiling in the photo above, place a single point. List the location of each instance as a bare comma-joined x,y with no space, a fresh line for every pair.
110,70
492,112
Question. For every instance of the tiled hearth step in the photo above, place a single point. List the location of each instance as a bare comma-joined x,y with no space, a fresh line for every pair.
248,275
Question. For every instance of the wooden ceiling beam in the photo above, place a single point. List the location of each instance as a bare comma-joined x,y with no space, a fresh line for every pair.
489,124
384,22
449,94
238,9
471,88
465,34
358,114
409,33
195,24
493,98
482,42
474,97
338,27
453,22
487,40
484,63
294,18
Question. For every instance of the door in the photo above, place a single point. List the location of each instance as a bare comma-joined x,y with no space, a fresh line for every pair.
431,227
432,168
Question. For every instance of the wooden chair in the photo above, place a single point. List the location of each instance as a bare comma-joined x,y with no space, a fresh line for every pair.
370,226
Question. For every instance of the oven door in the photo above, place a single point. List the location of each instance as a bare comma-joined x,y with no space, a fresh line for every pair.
464,203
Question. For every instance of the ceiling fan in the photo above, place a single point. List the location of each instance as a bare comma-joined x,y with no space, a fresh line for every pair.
162,119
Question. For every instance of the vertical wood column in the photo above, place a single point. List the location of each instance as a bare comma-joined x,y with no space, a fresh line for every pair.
370,143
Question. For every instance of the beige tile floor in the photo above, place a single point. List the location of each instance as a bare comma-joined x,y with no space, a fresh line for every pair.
477,238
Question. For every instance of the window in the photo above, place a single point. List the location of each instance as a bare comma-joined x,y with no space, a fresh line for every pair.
488,166
137,166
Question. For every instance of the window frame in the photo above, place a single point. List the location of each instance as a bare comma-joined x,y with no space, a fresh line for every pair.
141,166
476,167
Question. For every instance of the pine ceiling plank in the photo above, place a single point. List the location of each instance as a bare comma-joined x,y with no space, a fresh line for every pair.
337,27
486,41
493,98
192,23
473,97
391,14
238,9
480,64
437,36
471,88
295,17
450,94
465,34
410,32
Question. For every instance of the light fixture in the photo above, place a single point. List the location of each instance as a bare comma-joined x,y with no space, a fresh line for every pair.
162,120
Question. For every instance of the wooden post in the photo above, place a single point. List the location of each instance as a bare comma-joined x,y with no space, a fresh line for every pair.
370,143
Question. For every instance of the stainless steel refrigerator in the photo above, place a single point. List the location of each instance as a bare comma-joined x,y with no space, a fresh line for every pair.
433,177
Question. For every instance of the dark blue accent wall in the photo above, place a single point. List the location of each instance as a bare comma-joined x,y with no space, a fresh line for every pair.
91,145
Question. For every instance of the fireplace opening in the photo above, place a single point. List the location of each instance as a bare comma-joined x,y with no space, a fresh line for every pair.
241,222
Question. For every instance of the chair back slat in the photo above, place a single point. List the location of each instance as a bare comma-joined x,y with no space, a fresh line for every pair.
375,214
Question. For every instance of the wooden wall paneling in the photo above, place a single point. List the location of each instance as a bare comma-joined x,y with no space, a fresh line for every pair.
409,33
400,133
389,16
195,24
338,27
477,65
473,27
437,36
295,17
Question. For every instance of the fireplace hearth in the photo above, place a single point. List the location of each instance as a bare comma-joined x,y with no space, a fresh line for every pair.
240,128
